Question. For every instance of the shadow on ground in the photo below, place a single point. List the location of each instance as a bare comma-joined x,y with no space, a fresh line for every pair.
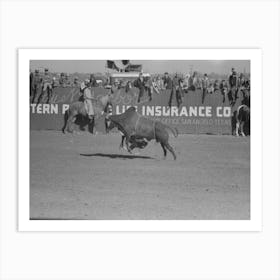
115,156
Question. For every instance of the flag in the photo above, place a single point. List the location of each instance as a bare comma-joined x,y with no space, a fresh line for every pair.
111,65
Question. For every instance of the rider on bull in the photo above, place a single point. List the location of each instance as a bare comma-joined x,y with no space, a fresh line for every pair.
88,96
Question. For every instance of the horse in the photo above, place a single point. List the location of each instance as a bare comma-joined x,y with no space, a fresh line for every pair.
242,117
78,108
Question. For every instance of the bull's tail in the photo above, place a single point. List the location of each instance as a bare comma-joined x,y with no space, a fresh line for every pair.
172,129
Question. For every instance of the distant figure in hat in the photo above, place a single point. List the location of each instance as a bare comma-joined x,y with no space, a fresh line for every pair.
47,86
223,89
92,81
233,87
177,89
67,80
76,82
205,86
140,84
88,96
62,80
30,83
36,83
193,81
167,81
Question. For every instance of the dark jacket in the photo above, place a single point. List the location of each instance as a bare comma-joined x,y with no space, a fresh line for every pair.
167,82
139,84
233,80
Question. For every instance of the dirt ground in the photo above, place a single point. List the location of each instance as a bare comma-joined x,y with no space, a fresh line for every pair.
88,177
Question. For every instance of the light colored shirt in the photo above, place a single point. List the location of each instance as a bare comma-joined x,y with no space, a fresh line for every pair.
87,93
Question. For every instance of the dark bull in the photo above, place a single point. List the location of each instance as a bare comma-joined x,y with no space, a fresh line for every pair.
135,126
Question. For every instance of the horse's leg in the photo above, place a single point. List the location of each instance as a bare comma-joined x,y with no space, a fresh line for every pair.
241,129
65,121
106,125
70,122
237,128
164,149
170,150
93,126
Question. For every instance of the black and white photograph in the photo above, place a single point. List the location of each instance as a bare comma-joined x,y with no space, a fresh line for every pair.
140,139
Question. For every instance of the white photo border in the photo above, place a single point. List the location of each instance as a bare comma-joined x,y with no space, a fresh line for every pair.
255,222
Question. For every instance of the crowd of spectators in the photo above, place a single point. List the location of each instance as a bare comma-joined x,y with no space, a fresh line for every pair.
179,84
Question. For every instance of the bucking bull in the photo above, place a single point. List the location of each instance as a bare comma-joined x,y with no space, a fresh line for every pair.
138,130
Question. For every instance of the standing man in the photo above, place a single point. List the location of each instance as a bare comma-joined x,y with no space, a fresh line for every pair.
193,81
205,85
92,81
37,81
88,96
233,86
31,83
177,88
76,82
67,81
224,89
140,84
62,80
47,85
149,87
167,82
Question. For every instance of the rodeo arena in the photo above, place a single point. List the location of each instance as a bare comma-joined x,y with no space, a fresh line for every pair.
128,144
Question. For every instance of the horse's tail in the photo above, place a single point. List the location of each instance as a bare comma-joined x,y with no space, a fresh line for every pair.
174,130
66,115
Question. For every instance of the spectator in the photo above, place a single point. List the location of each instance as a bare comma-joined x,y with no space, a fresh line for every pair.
205,85
76,82
149,87
247,84
46,86
233,86
186,83
140,84
92,81
193,81
88,96
67,80
36,82
224,89
30,83
62,80
155,85
241,81
177,88
216,85
115,87
167,82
